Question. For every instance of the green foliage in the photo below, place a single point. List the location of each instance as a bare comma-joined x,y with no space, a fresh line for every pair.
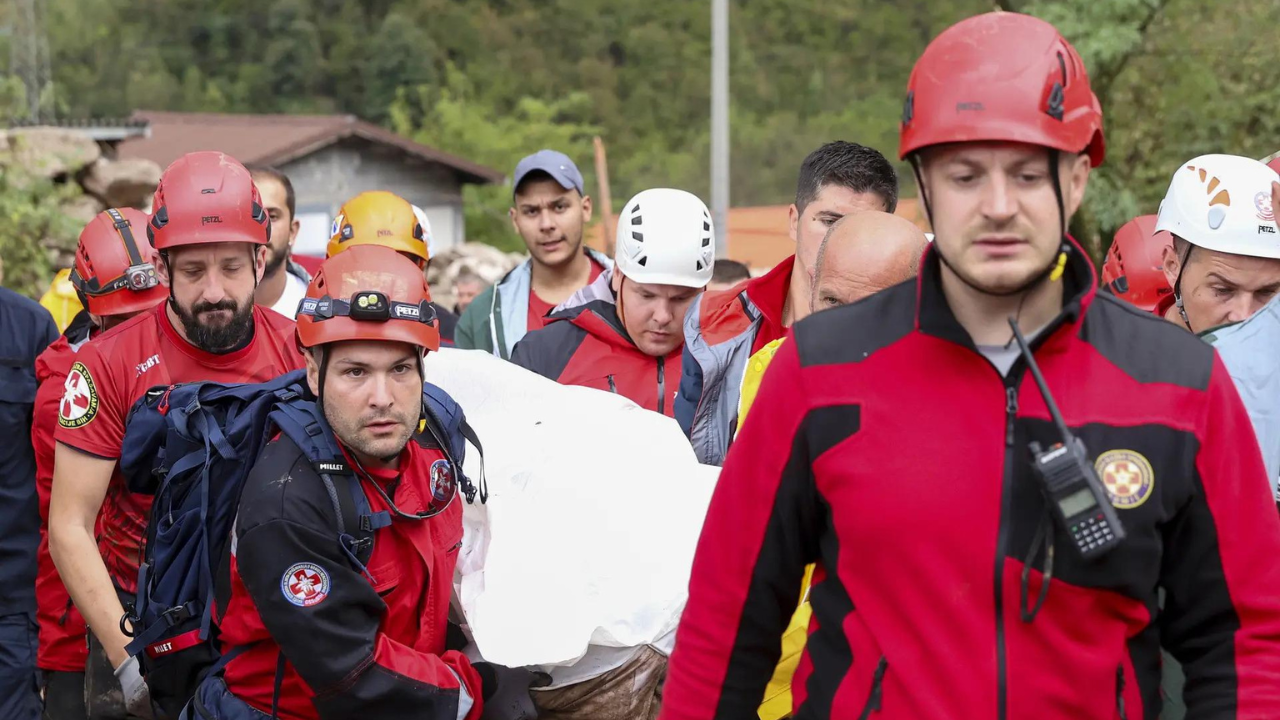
31,223
493,80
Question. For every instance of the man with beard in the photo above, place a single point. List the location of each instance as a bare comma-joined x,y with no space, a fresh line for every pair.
550,211
210,232
284,282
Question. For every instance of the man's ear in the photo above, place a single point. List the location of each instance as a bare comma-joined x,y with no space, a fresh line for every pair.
162,267
293,232
313,369
1077,170
511,213
793,222
1170,263
615,281
586,209
260,267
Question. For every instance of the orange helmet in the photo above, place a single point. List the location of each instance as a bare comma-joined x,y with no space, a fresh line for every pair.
379,218
1133,268
368,292
113,273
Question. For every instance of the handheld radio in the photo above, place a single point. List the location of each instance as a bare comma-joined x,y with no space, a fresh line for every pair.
1071,486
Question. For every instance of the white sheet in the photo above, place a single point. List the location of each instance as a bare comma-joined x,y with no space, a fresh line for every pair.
594,513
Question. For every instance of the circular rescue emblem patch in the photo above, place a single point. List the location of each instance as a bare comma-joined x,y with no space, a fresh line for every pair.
1262,203
305,584
442,482
79,404
1127,476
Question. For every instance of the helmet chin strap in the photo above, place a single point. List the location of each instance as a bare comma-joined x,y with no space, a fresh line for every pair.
1177,289
1051,271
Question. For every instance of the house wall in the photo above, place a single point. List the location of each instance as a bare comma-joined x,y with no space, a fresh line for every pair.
325,179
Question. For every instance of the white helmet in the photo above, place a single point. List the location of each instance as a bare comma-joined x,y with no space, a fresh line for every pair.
665,237
427,237
1222,203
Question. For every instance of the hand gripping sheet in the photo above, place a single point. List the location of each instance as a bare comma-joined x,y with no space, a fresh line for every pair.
594,513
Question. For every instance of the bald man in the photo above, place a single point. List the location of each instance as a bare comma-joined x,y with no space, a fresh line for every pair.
862,254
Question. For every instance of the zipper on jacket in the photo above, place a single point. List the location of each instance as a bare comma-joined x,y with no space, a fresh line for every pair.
1120,692
613,387
662,386
1002,540
877,681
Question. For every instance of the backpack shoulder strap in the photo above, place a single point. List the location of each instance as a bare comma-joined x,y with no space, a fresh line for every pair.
447,416
302,422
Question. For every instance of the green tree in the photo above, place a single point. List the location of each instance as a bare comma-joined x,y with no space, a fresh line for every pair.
453,118
33,225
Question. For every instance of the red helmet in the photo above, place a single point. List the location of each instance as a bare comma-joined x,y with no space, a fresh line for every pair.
113,272
207,197
1005,77
1275,164
368,292
1133,268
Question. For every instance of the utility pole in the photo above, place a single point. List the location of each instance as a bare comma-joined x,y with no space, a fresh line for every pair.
720,123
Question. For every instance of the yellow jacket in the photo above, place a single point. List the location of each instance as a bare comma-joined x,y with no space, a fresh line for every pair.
777,697
61,300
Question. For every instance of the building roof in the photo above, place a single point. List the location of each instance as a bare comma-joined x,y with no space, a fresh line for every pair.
109,130
760,236
276,139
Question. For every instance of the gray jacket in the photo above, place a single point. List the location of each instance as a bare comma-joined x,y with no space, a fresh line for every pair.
1251,352
706,406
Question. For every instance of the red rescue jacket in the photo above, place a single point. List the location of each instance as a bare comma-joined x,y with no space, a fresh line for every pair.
586,345
885,448
351,643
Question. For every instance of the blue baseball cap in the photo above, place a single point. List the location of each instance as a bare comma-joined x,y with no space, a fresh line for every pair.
556,164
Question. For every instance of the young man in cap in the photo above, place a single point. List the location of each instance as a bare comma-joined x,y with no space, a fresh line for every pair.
550,211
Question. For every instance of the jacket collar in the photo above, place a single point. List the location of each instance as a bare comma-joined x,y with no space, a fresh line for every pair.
934,315
526,268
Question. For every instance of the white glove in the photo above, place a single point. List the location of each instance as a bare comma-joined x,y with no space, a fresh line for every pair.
137,699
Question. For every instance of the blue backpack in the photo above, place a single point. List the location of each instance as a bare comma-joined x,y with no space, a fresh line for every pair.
192,446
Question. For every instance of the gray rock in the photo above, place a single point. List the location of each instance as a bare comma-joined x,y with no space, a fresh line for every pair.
122,183
48,152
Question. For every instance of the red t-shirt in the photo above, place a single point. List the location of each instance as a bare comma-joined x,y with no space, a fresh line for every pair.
111,373
538,308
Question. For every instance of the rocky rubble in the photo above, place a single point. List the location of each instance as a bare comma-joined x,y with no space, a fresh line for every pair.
486,261
71,159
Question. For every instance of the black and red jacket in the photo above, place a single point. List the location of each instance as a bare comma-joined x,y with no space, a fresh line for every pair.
889,451
324,638
585,344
